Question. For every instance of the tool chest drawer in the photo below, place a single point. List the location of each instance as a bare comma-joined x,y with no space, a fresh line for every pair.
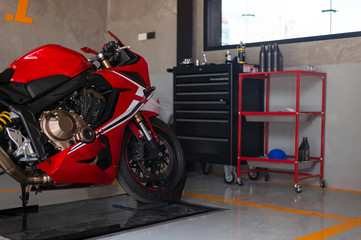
203,96
198,77
202,114
201,105
203,128
202,87
207,146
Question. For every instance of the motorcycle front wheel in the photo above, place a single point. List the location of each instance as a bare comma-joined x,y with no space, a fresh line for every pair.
148,177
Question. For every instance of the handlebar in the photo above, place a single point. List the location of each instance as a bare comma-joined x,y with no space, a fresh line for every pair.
109,47
108,50
119,49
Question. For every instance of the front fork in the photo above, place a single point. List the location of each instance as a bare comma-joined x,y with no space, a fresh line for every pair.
141,131
139,121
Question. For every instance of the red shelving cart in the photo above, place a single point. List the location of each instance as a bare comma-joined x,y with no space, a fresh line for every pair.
296,116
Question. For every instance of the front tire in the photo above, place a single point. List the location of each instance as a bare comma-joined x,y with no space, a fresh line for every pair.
148,178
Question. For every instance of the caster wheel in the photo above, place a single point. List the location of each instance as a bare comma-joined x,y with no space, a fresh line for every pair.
254,176
298,188
267,178
322,183
206,168
239,181
231,179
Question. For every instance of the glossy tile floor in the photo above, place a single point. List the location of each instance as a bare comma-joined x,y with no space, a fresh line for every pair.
256,210
261,210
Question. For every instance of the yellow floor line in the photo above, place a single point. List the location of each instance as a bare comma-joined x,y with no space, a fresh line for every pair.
291,184
10,190
313,186
14,190
314,214
331,231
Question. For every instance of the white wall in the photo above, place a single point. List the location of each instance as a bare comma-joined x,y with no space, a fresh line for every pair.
343,129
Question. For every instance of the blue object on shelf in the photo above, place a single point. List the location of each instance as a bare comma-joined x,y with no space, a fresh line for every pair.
277,154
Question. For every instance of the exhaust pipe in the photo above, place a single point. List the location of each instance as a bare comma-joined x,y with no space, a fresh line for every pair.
20,175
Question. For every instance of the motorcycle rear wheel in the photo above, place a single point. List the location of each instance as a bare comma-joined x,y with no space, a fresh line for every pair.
152,179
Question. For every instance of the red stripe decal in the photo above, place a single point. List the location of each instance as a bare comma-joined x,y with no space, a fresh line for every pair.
140,99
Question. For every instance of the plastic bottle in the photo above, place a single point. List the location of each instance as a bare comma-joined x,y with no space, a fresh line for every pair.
304,150
241,53
262,59
269,58
228,57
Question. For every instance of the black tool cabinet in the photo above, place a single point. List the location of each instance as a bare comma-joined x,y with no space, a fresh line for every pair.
205,113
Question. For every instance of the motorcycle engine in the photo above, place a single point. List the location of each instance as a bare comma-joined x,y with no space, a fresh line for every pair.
73,120
65,128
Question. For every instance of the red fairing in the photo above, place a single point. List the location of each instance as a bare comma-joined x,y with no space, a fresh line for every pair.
140,67
65,167
47,61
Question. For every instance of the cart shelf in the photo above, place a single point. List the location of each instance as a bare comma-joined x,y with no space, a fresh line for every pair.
291,165
278,117
281,164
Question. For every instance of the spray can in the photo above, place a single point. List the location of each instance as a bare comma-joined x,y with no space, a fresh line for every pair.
274,57
280,59
262,59
269,58
277,58
241,53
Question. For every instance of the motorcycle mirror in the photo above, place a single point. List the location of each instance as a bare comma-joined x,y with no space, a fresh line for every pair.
89,50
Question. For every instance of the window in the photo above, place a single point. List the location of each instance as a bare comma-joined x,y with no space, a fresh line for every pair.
227,22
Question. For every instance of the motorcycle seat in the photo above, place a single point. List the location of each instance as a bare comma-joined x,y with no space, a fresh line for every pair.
6,75
21,93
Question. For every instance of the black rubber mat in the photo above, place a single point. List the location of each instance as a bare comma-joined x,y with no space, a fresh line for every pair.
91,218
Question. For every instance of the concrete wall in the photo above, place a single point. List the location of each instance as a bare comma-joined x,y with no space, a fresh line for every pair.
72,24
128,18
341,60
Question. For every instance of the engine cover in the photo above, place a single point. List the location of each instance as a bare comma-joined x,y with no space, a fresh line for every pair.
65,128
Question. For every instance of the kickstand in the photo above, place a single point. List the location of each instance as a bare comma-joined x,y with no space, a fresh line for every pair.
24,196
25,209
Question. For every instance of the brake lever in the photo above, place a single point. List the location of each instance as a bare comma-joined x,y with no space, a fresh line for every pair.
93,59
119,49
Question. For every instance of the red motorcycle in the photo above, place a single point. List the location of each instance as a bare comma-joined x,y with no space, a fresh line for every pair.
68,122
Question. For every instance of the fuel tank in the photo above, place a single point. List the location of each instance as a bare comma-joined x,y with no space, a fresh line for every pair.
47,61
